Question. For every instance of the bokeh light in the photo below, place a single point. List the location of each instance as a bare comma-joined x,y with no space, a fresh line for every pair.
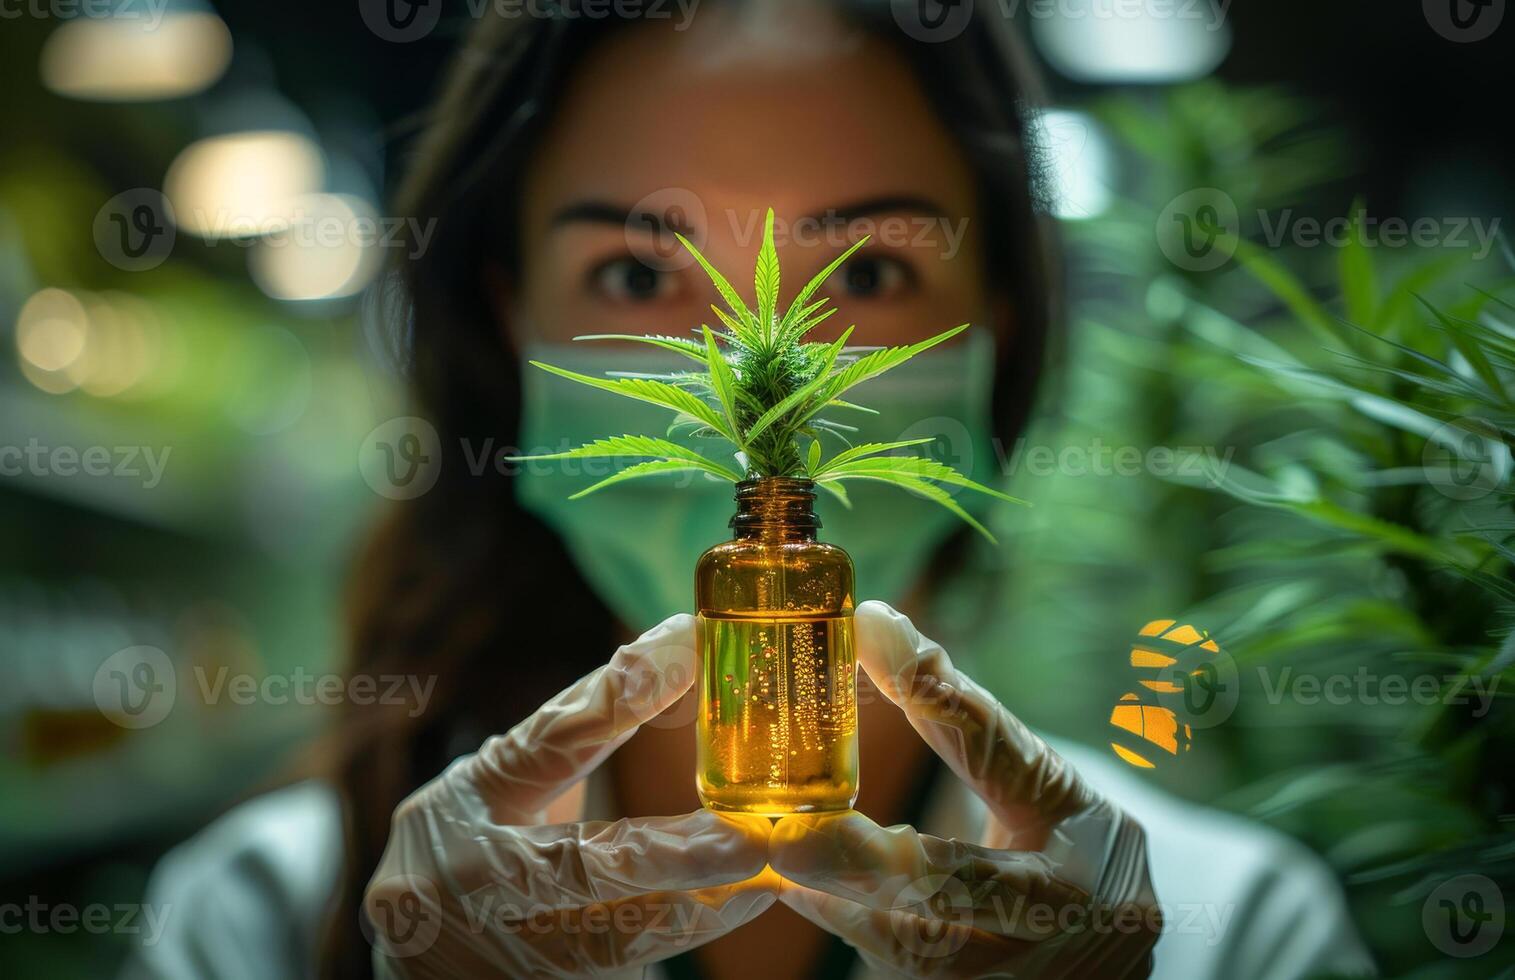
121,59
119,351
52,332
328,251
1078,161
102,343
1099,43
244,184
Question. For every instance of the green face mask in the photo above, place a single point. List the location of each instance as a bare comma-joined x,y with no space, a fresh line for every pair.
637,542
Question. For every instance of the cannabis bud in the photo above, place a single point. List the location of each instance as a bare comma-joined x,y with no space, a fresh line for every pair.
763,388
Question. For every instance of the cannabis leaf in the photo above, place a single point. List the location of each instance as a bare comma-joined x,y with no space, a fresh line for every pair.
653,392
679,345
766,280
629,445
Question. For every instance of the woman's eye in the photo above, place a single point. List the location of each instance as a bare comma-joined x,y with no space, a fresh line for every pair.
627,280
872,277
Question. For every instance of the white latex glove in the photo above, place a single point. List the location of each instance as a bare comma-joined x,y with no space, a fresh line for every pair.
474,883
1057,887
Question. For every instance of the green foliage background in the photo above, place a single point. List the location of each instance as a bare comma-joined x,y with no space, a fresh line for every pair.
1330,546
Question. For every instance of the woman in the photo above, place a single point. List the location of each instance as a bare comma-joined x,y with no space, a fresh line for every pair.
563,149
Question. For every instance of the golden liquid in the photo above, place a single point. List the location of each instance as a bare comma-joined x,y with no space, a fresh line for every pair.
778,713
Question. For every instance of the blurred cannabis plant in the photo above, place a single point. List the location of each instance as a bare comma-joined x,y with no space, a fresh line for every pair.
1388,554
1361,527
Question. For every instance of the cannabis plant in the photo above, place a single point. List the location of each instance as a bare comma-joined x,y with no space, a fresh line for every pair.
763,388
1400,494
1335,542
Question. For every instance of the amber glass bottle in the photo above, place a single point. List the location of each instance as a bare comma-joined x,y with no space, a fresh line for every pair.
778,704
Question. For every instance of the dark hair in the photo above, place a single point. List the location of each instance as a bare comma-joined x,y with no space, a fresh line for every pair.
460,582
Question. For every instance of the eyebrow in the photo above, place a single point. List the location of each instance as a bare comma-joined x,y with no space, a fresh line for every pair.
591,212
607,213
882,204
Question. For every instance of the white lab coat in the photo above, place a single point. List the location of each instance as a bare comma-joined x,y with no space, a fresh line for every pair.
246,898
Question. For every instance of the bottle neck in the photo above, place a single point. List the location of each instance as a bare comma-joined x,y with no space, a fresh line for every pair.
775,508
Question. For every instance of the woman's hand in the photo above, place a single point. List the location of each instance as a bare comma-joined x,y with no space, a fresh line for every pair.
475,883
1058,886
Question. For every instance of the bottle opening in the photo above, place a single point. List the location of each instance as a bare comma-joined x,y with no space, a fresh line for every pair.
776,503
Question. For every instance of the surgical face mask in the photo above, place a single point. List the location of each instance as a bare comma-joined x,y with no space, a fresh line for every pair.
637,542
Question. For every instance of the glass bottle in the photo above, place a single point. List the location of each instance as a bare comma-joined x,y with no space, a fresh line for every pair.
778,703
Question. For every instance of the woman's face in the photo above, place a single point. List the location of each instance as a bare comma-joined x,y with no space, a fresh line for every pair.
705,129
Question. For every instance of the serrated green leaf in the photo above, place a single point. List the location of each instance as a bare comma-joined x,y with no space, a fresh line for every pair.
632,472
692,428
731,323
653,392
743,322
805,326
868,449
835,489
917,467
807,312
926,489
797,310
765,281
813,461
689,380
872,365
838,403
722,382
679,345
634,445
